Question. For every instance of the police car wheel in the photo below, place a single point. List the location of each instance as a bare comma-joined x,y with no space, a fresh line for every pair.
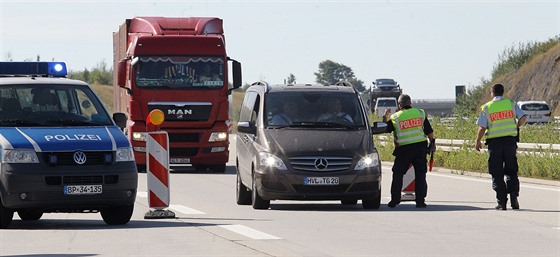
141,168
6,216
117,215
29,215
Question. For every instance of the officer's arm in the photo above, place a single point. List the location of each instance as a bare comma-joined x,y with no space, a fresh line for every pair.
521,121
479,135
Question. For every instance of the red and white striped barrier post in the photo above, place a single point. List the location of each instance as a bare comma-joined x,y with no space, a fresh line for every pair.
157,169
409,185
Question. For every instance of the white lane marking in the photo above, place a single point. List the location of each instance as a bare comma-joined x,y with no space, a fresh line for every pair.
249,232
490,181
175,207
184,209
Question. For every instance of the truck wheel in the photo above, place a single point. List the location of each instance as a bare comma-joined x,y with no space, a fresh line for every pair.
373,201
243,194
117,215
6,216
29,215
220,168
258,202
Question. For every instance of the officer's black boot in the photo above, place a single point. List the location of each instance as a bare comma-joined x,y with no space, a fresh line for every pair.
501,205
514,203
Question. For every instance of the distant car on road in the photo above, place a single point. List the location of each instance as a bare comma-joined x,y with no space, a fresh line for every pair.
537,111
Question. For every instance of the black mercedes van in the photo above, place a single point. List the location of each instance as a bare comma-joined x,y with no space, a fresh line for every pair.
306,142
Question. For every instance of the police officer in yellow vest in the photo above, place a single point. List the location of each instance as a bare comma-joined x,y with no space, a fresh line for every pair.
500,120
410,127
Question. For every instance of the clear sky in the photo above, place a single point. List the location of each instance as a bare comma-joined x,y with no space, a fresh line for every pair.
427,46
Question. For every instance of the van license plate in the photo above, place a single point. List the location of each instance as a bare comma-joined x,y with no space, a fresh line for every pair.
310,181
535,116
83,189
180,160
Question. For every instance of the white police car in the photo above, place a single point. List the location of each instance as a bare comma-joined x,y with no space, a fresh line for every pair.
60,149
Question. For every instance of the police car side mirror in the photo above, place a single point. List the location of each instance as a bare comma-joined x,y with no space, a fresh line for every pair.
120,119
246,127
379,127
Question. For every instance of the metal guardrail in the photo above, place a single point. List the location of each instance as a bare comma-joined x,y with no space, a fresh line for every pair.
455,144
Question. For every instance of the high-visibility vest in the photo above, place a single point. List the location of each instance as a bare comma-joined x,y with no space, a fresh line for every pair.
501,118
409,126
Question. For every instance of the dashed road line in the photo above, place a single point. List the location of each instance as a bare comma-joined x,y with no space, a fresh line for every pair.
249,232
176,207
184,209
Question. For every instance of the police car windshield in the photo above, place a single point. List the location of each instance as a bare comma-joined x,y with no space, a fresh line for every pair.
50,105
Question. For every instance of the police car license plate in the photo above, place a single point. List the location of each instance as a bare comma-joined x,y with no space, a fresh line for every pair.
83,189
180,160
311,181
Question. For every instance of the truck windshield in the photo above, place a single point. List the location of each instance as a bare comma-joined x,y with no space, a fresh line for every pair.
313,109
50,105
180,71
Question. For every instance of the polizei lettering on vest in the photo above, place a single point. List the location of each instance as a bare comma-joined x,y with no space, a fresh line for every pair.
501,115
412,123
75,137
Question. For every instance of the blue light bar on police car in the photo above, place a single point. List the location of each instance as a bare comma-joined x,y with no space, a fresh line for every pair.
43,69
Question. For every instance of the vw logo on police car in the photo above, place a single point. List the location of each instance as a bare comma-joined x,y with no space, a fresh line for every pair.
80,157
321,163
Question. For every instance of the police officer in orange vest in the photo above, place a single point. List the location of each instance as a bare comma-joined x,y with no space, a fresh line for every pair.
500,119
410,127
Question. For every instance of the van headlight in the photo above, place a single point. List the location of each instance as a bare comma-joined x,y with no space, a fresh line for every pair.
368,161
270,160
124,154
20,156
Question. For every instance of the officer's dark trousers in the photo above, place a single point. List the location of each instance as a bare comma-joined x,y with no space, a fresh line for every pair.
414,154
502,161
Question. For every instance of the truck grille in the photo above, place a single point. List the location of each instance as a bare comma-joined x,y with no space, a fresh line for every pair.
178,137
183,152
321,163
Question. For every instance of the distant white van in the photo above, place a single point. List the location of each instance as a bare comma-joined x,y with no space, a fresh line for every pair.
384,103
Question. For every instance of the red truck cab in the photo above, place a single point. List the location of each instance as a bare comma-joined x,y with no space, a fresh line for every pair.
180,66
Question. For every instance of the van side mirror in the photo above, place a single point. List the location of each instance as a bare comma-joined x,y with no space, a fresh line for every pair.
246,127
120,118
379,127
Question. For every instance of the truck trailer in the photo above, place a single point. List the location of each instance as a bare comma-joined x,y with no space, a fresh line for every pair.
179,66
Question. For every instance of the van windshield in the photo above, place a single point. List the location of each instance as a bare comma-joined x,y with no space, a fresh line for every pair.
320,109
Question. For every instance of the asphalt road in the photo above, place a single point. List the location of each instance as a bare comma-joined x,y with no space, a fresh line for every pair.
460,221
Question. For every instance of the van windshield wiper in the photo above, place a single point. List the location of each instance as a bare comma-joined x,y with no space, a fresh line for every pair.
18,122
61,122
